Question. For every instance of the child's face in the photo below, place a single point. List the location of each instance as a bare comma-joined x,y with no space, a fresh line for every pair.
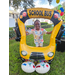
37,25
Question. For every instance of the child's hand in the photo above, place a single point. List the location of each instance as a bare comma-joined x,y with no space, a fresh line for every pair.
27,33
49,32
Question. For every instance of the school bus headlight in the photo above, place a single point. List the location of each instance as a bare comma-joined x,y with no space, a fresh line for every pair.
50,54
24,53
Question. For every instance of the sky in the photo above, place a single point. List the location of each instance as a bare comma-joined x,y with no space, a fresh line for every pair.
44,4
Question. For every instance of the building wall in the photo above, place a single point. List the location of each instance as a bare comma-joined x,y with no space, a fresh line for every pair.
29,22
11,22
12,17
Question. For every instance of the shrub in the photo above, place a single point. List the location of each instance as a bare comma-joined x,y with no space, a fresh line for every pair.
44,23
30,26
46,26
42,26
11,28
11,34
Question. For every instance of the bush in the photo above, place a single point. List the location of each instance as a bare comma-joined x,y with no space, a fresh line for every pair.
46,26
42,26
30,26
11,28
44,23
11,34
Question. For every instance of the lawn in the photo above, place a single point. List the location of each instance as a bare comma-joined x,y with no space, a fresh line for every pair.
57,65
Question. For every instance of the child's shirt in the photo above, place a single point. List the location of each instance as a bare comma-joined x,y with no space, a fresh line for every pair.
38,35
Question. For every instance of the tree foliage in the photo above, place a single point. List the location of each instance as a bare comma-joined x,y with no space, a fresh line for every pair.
50,1
21,3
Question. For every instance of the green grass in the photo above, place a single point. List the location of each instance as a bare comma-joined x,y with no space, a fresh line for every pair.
57,65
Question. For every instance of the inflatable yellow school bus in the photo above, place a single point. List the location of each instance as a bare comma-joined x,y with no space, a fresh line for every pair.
29,53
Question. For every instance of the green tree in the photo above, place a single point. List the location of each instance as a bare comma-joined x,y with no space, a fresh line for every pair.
21,3
50,1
